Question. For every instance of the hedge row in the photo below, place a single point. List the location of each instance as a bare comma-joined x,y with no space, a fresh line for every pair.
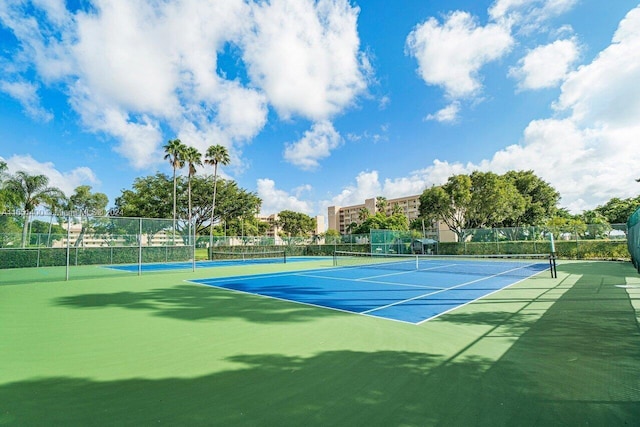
51,257
582,249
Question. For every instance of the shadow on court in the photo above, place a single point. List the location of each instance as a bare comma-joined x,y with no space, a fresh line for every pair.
189,302
577,364
23,276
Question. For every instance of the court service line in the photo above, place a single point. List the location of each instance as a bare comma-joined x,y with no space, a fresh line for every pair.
404,271
346,279
444,290
479,298
293,301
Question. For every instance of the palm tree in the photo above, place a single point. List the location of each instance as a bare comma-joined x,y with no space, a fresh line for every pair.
30,191
174,150
216,154
363,214
53,204
381,204
193,158
5,196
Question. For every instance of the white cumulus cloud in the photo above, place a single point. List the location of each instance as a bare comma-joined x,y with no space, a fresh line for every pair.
275,200
451,54
306,56
26,94
316,144
137,70
590,156
67,181
446,115
546,66
529,14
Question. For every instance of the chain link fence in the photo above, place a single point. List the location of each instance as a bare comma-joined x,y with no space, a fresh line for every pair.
633,239
75,240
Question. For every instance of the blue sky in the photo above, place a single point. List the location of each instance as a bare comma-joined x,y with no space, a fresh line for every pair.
325,102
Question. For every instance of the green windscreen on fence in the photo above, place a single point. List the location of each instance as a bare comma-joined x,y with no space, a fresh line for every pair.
390,241
633,238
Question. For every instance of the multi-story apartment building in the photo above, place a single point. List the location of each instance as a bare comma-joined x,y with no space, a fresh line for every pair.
341,218
274,229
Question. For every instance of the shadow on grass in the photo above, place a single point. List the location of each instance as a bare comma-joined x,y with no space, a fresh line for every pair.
578,364
23,276
190,302
332,388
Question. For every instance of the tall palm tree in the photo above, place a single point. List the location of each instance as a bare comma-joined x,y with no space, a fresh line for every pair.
3,177
174,150
193,158
30,191
216,154
53,204
363,214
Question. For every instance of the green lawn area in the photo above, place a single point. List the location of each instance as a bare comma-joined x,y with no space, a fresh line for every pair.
119,349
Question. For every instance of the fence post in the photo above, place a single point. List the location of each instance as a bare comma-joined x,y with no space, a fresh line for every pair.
38,254
140,247
68,238
194,244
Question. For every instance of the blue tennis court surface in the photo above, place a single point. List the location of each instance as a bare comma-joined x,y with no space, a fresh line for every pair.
164,266
412,296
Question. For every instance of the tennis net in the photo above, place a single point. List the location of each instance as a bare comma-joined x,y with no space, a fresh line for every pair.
520,265
250,257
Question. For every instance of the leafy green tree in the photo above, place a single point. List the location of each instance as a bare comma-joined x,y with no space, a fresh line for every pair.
215,155
598,226
87,204
618,211
4,194
493,200
193,158
41,228
363,214
541,199
295,223
150,198
449,203
381,221
332,237
174,151
488,200
234,202
28,192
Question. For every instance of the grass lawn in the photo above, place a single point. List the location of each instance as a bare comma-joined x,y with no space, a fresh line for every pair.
119,349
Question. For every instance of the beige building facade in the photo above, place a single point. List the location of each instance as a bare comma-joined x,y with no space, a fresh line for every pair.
340,218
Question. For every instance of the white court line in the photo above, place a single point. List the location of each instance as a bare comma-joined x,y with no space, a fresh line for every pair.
365,280
446,289
404,271
294,301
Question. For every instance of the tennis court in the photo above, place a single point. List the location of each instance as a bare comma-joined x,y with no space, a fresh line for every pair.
242,259
115,348
410,289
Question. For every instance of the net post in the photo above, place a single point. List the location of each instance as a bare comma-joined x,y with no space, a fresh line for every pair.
193,252
284,256
552,266
140,247
552,257
68,248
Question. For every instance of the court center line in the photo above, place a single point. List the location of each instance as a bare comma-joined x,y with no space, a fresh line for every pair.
345,279
443,290
406,271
